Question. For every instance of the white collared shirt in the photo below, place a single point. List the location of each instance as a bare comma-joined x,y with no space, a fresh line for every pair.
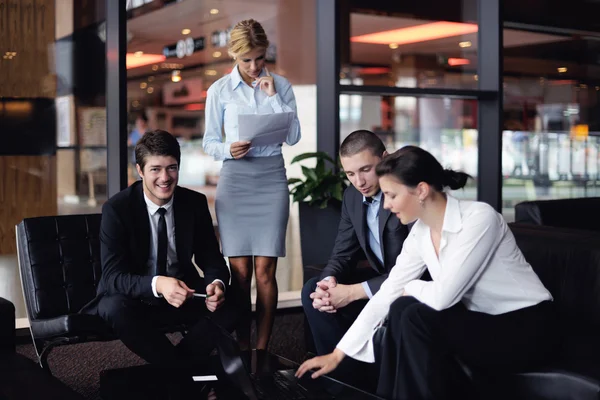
479,264
230,96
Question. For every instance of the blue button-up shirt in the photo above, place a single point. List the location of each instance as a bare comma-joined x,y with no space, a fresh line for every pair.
373,225
230,96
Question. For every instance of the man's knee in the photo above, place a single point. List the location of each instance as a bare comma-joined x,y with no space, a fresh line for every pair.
114,306
308,288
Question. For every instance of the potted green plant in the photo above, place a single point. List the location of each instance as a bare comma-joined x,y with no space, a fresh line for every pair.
319,196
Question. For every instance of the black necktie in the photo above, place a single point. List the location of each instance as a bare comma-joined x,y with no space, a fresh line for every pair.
369,200
162,244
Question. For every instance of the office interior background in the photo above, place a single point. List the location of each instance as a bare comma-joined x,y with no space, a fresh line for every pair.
507,91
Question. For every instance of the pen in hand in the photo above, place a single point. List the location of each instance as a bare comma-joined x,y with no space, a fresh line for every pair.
199,294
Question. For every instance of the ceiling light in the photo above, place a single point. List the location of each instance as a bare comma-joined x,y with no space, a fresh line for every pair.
155,67
134,61
150,78
393,46
561,69
150,90
216,54
186,31
214,11
418,33
135,103
138,53
464,44
143,85
210,72
176,75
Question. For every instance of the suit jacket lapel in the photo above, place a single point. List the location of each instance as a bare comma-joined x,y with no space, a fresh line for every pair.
384,215
183,227
142,222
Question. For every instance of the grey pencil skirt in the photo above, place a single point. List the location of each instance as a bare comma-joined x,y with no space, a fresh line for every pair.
253,205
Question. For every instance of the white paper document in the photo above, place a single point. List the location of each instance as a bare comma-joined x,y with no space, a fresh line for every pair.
204,378
264,129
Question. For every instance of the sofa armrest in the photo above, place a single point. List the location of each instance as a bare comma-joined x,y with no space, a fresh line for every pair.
7,326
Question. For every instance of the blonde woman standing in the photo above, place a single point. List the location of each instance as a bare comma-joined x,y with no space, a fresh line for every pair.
252,200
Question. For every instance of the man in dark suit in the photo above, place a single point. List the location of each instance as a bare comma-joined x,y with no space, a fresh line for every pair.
148,236
333,301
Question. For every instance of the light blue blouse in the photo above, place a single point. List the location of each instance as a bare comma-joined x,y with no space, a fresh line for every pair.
230,96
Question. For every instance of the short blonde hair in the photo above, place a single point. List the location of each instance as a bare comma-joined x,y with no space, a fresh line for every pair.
246,36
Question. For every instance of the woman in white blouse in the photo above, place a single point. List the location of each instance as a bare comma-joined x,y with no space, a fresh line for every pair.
252,199
484,306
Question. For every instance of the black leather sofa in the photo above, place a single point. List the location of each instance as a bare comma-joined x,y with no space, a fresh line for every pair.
20,377
581,213
568,263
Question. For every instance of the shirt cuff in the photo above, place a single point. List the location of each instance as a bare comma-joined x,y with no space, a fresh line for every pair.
227,151
414,288
365,286
276,103
222,284
154,292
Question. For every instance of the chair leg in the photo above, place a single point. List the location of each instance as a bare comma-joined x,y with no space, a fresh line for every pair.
46,348
42,354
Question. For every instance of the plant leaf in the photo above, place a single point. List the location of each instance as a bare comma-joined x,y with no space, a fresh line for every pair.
310,173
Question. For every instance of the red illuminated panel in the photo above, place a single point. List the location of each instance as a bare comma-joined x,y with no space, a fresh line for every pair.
373,70
419,33
453,62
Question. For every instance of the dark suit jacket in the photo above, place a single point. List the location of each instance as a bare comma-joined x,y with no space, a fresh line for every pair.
352,241
125,244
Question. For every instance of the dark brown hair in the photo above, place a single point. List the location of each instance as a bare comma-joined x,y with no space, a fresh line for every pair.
156,143
412,165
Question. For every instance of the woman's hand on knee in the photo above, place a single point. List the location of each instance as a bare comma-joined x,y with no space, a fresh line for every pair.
323,364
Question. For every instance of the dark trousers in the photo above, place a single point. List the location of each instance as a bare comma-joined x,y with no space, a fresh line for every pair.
420,346
141,326
329,328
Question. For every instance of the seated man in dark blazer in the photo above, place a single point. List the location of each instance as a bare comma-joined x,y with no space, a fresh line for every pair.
333,301
148,236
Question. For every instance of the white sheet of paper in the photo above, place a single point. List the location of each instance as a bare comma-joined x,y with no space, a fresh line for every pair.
265,129
204,378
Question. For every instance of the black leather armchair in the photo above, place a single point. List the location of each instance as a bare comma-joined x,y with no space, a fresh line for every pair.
582,213
59,261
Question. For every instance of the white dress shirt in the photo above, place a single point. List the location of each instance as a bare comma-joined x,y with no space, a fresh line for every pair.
230,96
172,249
479,264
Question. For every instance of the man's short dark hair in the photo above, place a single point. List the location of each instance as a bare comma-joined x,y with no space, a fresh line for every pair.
361,140
142,115
156,143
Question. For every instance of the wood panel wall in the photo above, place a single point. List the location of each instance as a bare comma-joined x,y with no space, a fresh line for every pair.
27,27
27,183
27,189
